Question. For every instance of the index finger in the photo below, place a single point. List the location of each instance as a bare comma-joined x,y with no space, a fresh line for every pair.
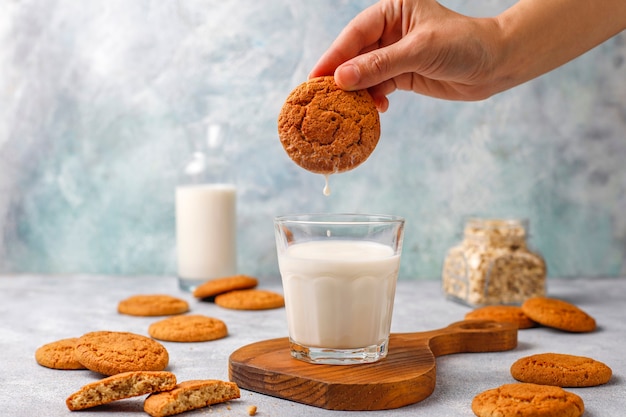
359,36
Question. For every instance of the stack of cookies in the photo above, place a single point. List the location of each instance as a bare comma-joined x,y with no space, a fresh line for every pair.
238,292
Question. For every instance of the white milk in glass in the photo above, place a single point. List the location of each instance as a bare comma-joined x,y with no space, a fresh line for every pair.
339,293
205,232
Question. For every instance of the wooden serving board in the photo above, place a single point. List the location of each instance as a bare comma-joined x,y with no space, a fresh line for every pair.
405,376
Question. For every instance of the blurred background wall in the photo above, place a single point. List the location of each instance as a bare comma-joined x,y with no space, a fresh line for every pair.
96,98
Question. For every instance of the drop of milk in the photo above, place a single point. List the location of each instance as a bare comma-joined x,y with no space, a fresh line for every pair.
326,190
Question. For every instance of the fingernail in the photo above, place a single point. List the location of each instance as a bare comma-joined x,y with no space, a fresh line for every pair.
382,105
347,76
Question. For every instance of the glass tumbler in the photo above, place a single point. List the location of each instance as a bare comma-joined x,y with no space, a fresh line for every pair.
339,274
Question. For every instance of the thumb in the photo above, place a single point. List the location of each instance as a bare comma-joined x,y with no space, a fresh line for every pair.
371,68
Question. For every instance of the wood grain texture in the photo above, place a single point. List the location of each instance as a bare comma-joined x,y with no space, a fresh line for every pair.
406,376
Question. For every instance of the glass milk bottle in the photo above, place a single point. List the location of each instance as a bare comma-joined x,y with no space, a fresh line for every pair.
206,210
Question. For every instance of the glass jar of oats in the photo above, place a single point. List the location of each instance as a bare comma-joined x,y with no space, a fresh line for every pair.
493,265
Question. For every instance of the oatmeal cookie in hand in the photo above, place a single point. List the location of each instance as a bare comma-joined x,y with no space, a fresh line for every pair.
327,130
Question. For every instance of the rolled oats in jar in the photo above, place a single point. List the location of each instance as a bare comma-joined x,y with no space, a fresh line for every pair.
493,265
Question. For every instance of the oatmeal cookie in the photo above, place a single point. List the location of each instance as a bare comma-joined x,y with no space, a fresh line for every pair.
218,286
327,130
111,353
190,395
502,313
58,355
120,386
188,328
558,314
152,305
561,370
527,400
250,300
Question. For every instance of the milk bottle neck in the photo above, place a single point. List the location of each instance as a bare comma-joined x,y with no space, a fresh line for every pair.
209,163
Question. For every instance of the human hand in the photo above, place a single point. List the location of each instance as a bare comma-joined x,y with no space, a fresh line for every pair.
421,46
415,45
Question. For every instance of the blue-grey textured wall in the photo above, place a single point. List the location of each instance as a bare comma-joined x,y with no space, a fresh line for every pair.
95,97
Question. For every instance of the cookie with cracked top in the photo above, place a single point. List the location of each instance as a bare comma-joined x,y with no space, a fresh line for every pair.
111,353
327,130
58,355
152,305
527,400
217,286
558,314
250,300
502,313
188,328
561,370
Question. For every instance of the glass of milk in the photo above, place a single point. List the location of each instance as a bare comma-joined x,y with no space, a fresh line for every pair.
339,274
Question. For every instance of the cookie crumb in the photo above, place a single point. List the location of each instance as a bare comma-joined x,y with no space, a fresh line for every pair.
252,410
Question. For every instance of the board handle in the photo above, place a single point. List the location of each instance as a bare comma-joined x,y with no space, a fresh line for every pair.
470,336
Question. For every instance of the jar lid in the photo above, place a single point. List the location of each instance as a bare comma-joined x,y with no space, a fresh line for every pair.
496,229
